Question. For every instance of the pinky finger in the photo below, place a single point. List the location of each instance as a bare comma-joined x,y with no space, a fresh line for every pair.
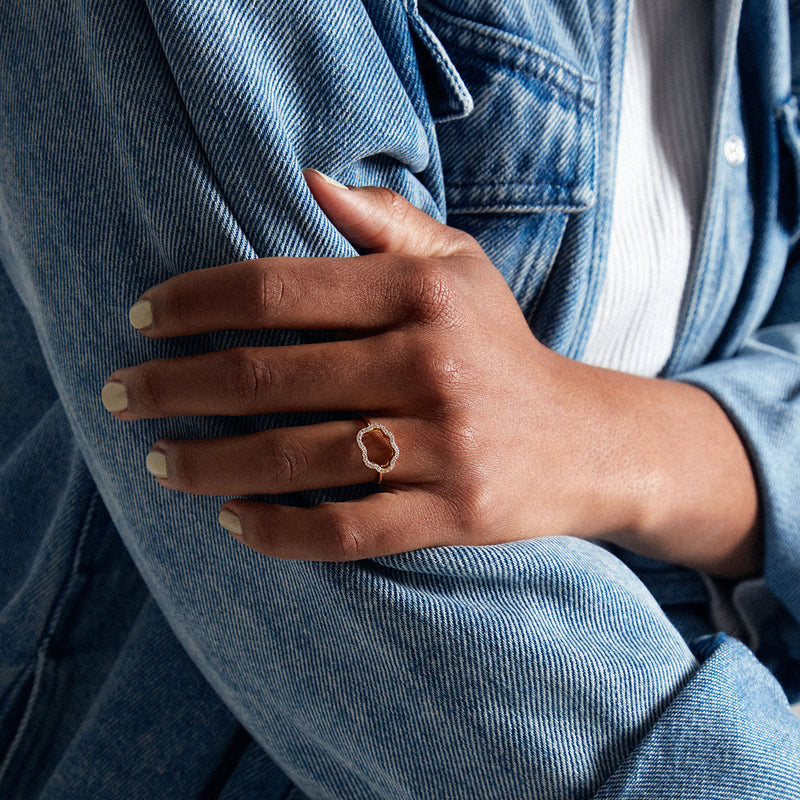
381,524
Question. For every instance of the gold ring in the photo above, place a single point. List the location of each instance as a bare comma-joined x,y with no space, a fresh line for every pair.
381,469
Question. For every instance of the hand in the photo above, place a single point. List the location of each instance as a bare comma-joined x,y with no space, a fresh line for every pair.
500,438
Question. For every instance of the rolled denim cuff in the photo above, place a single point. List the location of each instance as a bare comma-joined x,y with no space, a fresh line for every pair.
760,391
729,733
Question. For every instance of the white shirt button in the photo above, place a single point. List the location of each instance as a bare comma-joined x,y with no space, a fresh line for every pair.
734,150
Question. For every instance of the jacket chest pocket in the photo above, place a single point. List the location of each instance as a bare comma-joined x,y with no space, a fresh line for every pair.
530,142
525,158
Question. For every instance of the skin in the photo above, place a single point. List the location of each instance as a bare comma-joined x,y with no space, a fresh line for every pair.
500,437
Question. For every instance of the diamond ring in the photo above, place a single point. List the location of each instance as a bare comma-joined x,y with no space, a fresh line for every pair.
381,469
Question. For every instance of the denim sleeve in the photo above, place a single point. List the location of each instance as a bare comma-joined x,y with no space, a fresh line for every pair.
760,390
716,702
140,140
754,372
754,368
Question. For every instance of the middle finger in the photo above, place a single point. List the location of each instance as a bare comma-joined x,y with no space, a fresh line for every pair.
355,375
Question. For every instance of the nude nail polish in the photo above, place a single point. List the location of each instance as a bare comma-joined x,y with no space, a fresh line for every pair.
156,463
141,314
230,522
114,396
328,179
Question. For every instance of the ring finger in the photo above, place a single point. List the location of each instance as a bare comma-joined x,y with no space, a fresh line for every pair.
284,460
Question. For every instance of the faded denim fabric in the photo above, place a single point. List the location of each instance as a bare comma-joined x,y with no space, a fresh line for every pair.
140,139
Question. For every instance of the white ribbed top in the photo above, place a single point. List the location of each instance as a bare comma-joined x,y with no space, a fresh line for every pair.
660,184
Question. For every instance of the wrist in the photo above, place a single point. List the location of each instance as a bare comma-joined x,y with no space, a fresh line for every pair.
679,477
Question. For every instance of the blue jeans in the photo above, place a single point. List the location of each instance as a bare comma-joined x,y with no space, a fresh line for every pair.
142,140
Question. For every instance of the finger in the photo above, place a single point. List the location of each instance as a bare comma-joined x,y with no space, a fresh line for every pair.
284,460
356,375
381,524
379,219
272,293
368,292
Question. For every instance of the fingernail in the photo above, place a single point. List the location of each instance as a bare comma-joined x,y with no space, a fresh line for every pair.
141,314
156,463
327,178
114,396
230,522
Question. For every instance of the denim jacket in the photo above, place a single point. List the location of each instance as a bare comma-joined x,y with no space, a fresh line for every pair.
529,170
139,139
539,154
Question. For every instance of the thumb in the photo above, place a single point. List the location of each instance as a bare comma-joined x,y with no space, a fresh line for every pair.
381,220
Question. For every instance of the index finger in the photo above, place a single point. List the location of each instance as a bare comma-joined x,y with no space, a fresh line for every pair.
359,293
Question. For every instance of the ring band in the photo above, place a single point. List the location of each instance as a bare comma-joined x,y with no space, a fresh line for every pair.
381,469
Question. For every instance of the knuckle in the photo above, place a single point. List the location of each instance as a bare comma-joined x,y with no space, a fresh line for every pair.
471,496
444,379
456,241
287,462
432,295
270,292
251,378
463,449
395,204
463,439
345,536
473,502
266,293
450,373
477,509
386,211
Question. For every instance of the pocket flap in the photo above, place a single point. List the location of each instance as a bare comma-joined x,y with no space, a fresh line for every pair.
448,95
530,142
